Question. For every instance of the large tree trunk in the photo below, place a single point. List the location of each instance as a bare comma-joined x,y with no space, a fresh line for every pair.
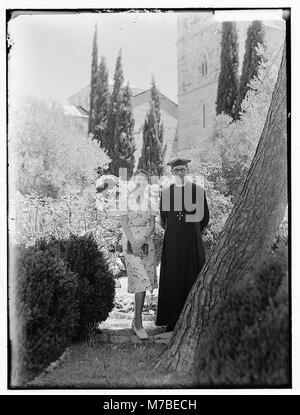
246,237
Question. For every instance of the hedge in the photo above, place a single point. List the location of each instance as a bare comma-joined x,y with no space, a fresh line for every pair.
247,340
61,288
96,291
45,311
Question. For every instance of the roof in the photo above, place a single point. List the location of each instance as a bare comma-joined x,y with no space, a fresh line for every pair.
80,100
75,111
134,90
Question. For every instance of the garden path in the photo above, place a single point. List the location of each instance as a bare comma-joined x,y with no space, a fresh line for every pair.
117,327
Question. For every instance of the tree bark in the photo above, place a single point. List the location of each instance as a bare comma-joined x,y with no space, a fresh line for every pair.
246,237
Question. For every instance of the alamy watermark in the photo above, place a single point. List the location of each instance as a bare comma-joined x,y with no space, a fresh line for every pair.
117,195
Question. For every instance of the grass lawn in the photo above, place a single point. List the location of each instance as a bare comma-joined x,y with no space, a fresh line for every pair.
109,366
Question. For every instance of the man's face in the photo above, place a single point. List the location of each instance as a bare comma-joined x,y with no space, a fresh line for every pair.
180,171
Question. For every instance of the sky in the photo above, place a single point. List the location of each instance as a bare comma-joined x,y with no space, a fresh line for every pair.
51,53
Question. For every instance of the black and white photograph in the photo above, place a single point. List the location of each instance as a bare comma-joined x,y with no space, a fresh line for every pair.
149,199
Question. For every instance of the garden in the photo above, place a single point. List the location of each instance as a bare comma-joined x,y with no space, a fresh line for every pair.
67,274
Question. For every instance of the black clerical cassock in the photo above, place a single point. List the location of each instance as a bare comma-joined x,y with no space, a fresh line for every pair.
184,215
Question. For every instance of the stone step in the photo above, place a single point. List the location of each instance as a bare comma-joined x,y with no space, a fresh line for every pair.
115,323
121,315
115,330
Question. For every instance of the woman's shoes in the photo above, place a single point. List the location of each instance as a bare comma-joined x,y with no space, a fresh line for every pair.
141,333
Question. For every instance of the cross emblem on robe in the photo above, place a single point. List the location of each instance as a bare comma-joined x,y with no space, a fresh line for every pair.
179,215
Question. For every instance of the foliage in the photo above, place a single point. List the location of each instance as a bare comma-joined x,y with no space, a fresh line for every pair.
101,105
95,293
93,91
44,309
233,143
225,157
228,78
247,341
252,59
61,289
158,239
119,130
256,103
152,154
33,218
124,144
50,154
231,153
36,218
155,98
219,209
114,108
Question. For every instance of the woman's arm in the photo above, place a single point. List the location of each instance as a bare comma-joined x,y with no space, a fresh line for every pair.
140,242
151,227
128,233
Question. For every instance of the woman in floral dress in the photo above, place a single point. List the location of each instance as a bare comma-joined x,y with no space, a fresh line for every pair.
138,224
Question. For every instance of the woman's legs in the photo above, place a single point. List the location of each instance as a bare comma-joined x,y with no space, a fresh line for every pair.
139,302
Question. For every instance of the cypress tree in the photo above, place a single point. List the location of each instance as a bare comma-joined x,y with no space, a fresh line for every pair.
113,119
228,78
251,62
94,70
155,97
101,105
151,157
124,144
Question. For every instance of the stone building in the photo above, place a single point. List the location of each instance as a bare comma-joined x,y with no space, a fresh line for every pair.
198,61
78,106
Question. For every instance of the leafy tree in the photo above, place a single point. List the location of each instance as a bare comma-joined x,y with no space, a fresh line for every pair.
94,71
101,105
252,59
228,78
50,153
124,144
151,158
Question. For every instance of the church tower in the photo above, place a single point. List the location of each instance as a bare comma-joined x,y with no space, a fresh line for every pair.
198,49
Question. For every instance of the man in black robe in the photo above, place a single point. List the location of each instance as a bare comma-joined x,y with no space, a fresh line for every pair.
184,215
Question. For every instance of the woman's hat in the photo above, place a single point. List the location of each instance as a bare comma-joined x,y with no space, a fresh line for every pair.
105,183
178,162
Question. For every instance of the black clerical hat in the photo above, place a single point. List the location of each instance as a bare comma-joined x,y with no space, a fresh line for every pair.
178,162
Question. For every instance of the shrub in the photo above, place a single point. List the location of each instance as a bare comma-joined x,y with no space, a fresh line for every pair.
247,340
44,309
96,283
36,218
269,337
